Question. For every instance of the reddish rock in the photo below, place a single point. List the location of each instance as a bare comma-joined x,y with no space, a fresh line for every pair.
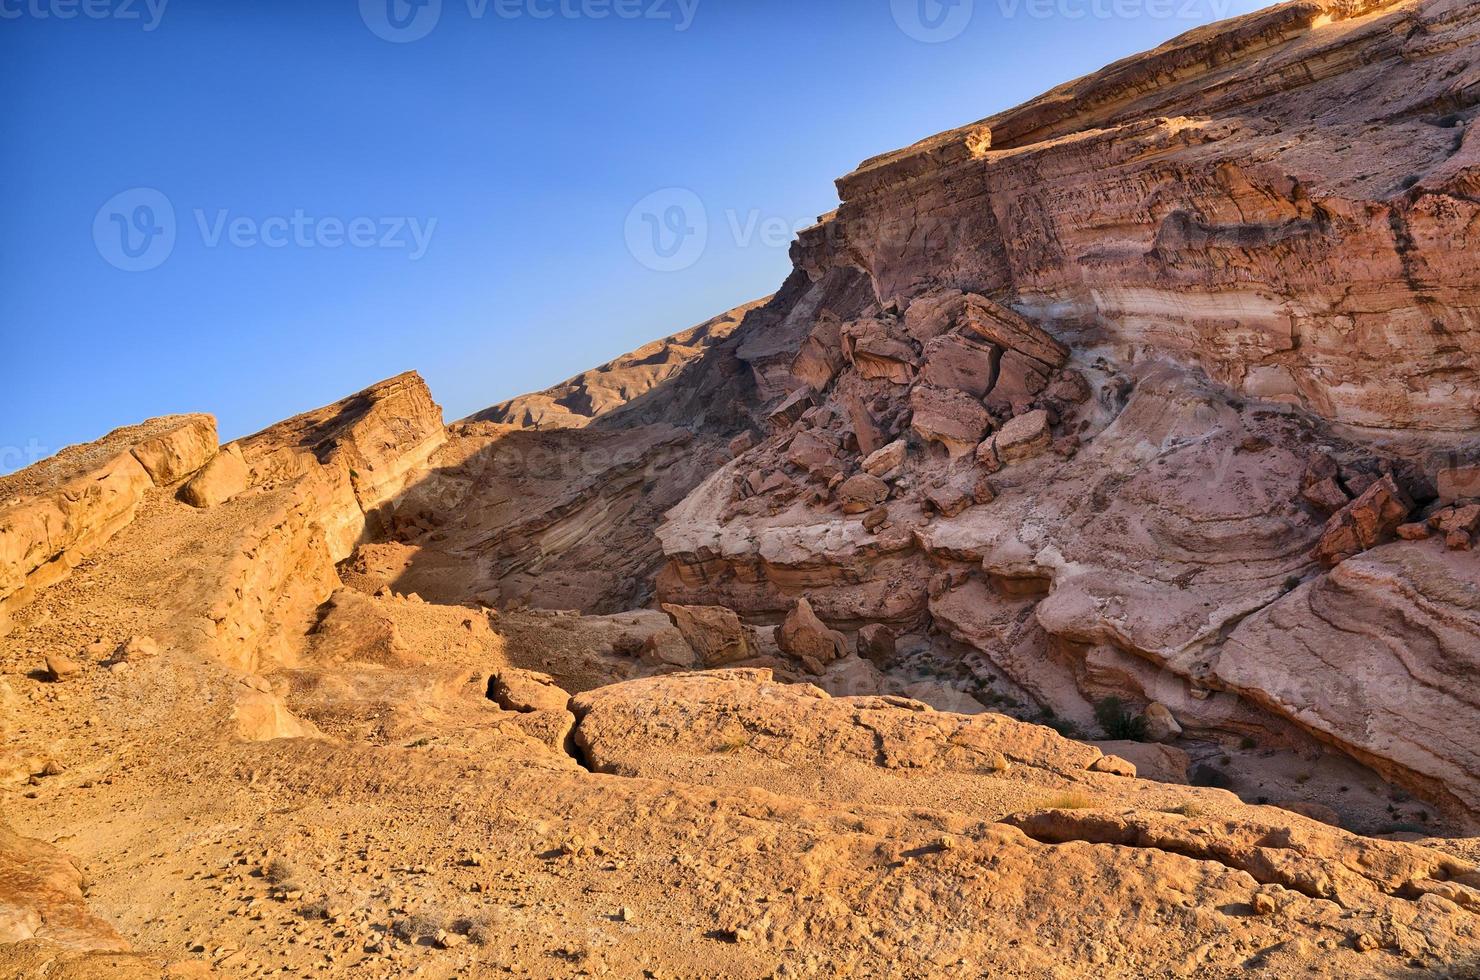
861,493
714,633
952,418
878,357
1456,483
1003,327
1366,522
804,636
953,361
949,499
877,643
1415,532
986,455
814,454
791,408
1068,388
1020,379
1325,495
1466,519
891,457
742,443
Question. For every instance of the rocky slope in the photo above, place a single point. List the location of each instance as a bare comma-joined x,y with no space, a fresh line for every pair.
1069,571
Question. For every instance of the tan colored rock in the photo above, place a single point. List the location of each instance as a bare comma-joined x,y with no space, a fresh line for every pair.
60,668
262,716
526,690
1315,811
1023,437
804,636
1161,725
41,899
1115,766
714,633
225,476
58,512
359,453
1153,760
887,459
182,450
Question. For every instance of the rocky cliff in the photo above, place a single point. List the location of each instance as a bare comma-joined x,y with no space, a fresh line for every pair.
1069,571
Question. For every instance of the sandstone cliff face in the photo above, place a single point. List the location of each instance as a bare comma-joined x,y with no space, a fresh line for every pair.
1129,255
359,453
1287,202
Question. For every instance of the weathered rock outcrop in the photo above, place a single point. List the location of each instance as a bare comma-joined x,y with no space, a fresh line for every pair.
41,899
1299,232
360,453
1379,657
58,512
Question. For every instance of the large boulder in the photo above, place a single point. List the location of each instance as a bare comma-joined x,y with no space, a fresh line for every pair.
804,636
225,476
950,417
1370,520
714,633
1023,437
953,361
861,493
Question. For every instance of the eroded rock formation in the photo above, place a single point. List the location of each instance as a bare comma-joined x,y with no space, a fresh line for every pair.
1121,441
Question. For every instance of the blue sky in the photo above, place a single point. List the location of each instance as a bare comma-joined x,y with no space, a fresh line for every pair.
256,208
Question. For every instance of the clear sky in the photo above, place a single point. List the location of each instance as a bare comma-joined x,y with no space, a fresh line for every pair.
254,208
